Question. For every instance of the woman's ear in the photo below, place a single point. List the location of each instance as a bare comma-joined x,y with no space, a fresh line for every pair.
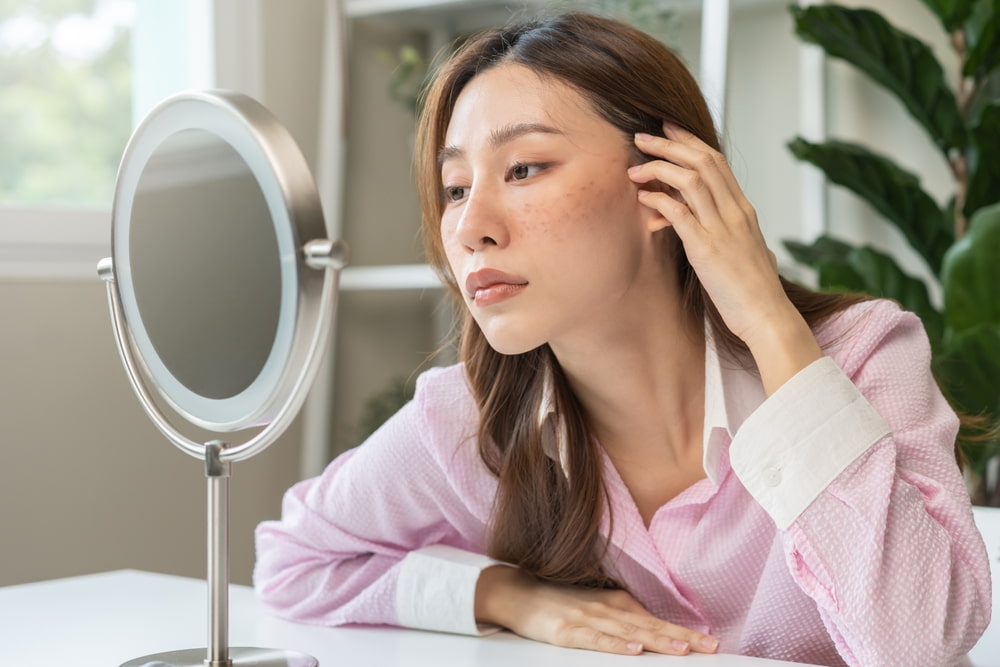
652,218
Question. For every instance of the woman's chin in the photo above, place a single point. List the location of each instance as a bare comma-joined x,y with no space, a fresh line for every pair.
511,345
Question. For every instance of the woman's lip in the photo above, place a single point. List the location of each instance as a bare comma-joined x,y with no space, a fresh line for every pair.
488,286
495,293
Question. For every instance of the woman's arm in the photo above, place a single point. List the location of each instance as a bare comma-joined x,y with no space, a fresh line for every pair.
384,535
857,467
393,533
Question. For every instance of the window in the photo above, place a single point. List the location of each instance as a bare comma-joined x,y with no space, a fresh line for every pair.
75,77
65,99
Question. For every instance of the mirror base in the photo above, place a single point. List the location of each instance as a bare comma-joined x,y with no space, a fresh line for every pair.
239,657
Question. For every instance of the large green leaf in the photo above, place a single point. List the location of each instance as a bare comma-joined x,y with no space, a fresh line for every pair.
825,248
883,277
893,192
902,63
971,275
844,268
829,257
984,167
837,275
952,13
982,34
968,371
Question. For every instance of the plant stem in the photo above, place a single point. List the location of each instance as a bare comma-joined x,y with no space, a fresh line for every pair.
958,160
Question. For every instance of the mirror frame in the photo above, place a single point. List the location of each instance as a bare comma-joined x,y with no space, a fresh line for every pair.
284,178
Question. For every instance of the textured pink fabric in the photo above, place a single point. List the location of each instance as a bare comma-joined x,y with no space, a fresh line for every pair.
884,566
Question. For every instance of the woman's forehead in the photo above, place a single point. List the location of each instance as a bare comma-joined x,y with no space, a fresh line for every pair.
513,94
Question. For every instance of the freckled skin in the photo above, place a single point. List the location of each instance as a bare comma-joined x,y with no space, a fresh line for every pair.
573,229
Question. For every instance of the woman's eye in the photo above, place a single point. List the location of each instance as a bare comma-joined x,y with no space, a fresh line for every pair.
519,172
454,193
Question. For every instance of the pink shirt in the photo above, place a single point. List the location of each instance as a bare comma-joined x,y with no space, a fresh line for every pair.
833,526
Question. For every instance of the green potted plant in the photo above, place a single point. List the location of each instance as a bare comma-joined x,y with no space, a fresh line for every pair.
960,239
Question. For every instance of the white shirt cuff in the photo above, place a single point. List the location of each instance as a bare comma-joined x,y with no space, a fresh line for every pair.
437,590
804,435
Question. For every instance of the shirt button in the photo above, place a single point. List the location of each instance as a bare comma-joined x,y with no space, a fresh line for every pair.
772,476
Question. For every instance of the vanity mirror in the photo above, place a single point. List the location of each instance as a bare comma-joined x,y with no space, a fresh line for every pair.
222,286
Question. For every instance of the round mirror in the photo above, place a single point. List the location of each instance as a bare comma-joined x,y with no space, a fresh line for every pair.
213,206
222,285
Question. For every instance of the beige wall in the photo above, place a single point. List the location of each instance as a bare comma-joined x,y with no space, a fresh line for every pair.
87,484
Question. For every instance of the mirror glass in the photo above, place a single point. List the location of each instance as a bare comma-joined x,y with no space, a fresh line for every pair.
205,264
214,206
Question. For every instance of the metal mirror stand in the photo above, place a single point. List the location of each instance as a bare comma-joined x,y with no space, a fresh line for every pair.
322,254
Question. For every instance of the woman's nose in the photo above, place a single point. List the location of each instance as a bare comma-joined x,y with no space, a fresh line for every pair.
482,223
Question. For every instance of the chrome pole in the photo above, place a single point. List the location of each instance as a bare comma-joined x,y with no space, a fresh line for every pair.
218,473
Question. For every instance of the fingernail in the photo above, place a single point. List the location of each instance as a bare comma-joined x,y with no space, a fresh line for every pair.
709,643
642,136
635,647
634,169
679,645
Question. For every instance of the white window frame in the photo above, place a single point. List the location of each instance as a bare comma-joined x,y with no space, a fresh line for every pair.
65,243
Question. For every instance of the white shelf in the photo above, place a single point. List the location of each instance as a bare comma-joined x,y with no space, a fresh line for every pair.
399,8
454,17
355,8
389,277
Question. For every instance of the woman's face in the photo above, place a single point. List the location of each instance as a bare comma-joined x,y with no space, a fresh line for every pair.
541,226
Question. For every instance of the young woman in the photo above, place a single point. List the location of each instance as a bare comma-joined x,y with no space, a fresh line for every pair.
653,443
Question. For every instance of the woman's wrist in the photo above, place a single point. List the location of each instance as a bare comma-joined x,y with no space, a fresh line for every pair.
782,347
494,602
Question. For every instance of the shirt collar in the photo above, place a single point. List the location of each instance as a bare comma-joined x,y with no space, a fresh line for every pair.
731,394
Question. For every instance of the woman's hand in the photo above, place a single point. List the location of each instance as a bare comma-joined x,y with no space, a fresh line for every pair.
599,620
696,193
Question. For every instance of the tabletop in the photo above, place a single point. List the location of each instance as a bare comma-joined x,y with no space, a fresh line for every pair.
107,619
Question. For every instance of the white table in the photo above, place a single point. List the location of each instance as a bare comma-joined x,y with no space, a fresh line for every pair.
103,620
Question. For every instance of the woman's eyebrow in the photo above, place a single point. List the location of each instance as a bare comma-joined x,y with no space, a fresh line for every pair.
508,133
499,137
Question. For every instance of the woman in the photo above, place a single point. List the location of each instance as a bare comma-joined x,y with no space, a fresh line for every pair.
653,443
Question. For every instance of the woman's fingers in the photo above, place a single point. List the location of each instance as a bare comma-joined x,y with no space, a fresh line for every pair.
708,156
716,224
589,639
699,173
597,626
612,621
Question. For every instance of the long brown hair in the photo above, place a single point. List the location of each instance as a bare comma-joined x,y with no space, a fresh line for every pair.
545,520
